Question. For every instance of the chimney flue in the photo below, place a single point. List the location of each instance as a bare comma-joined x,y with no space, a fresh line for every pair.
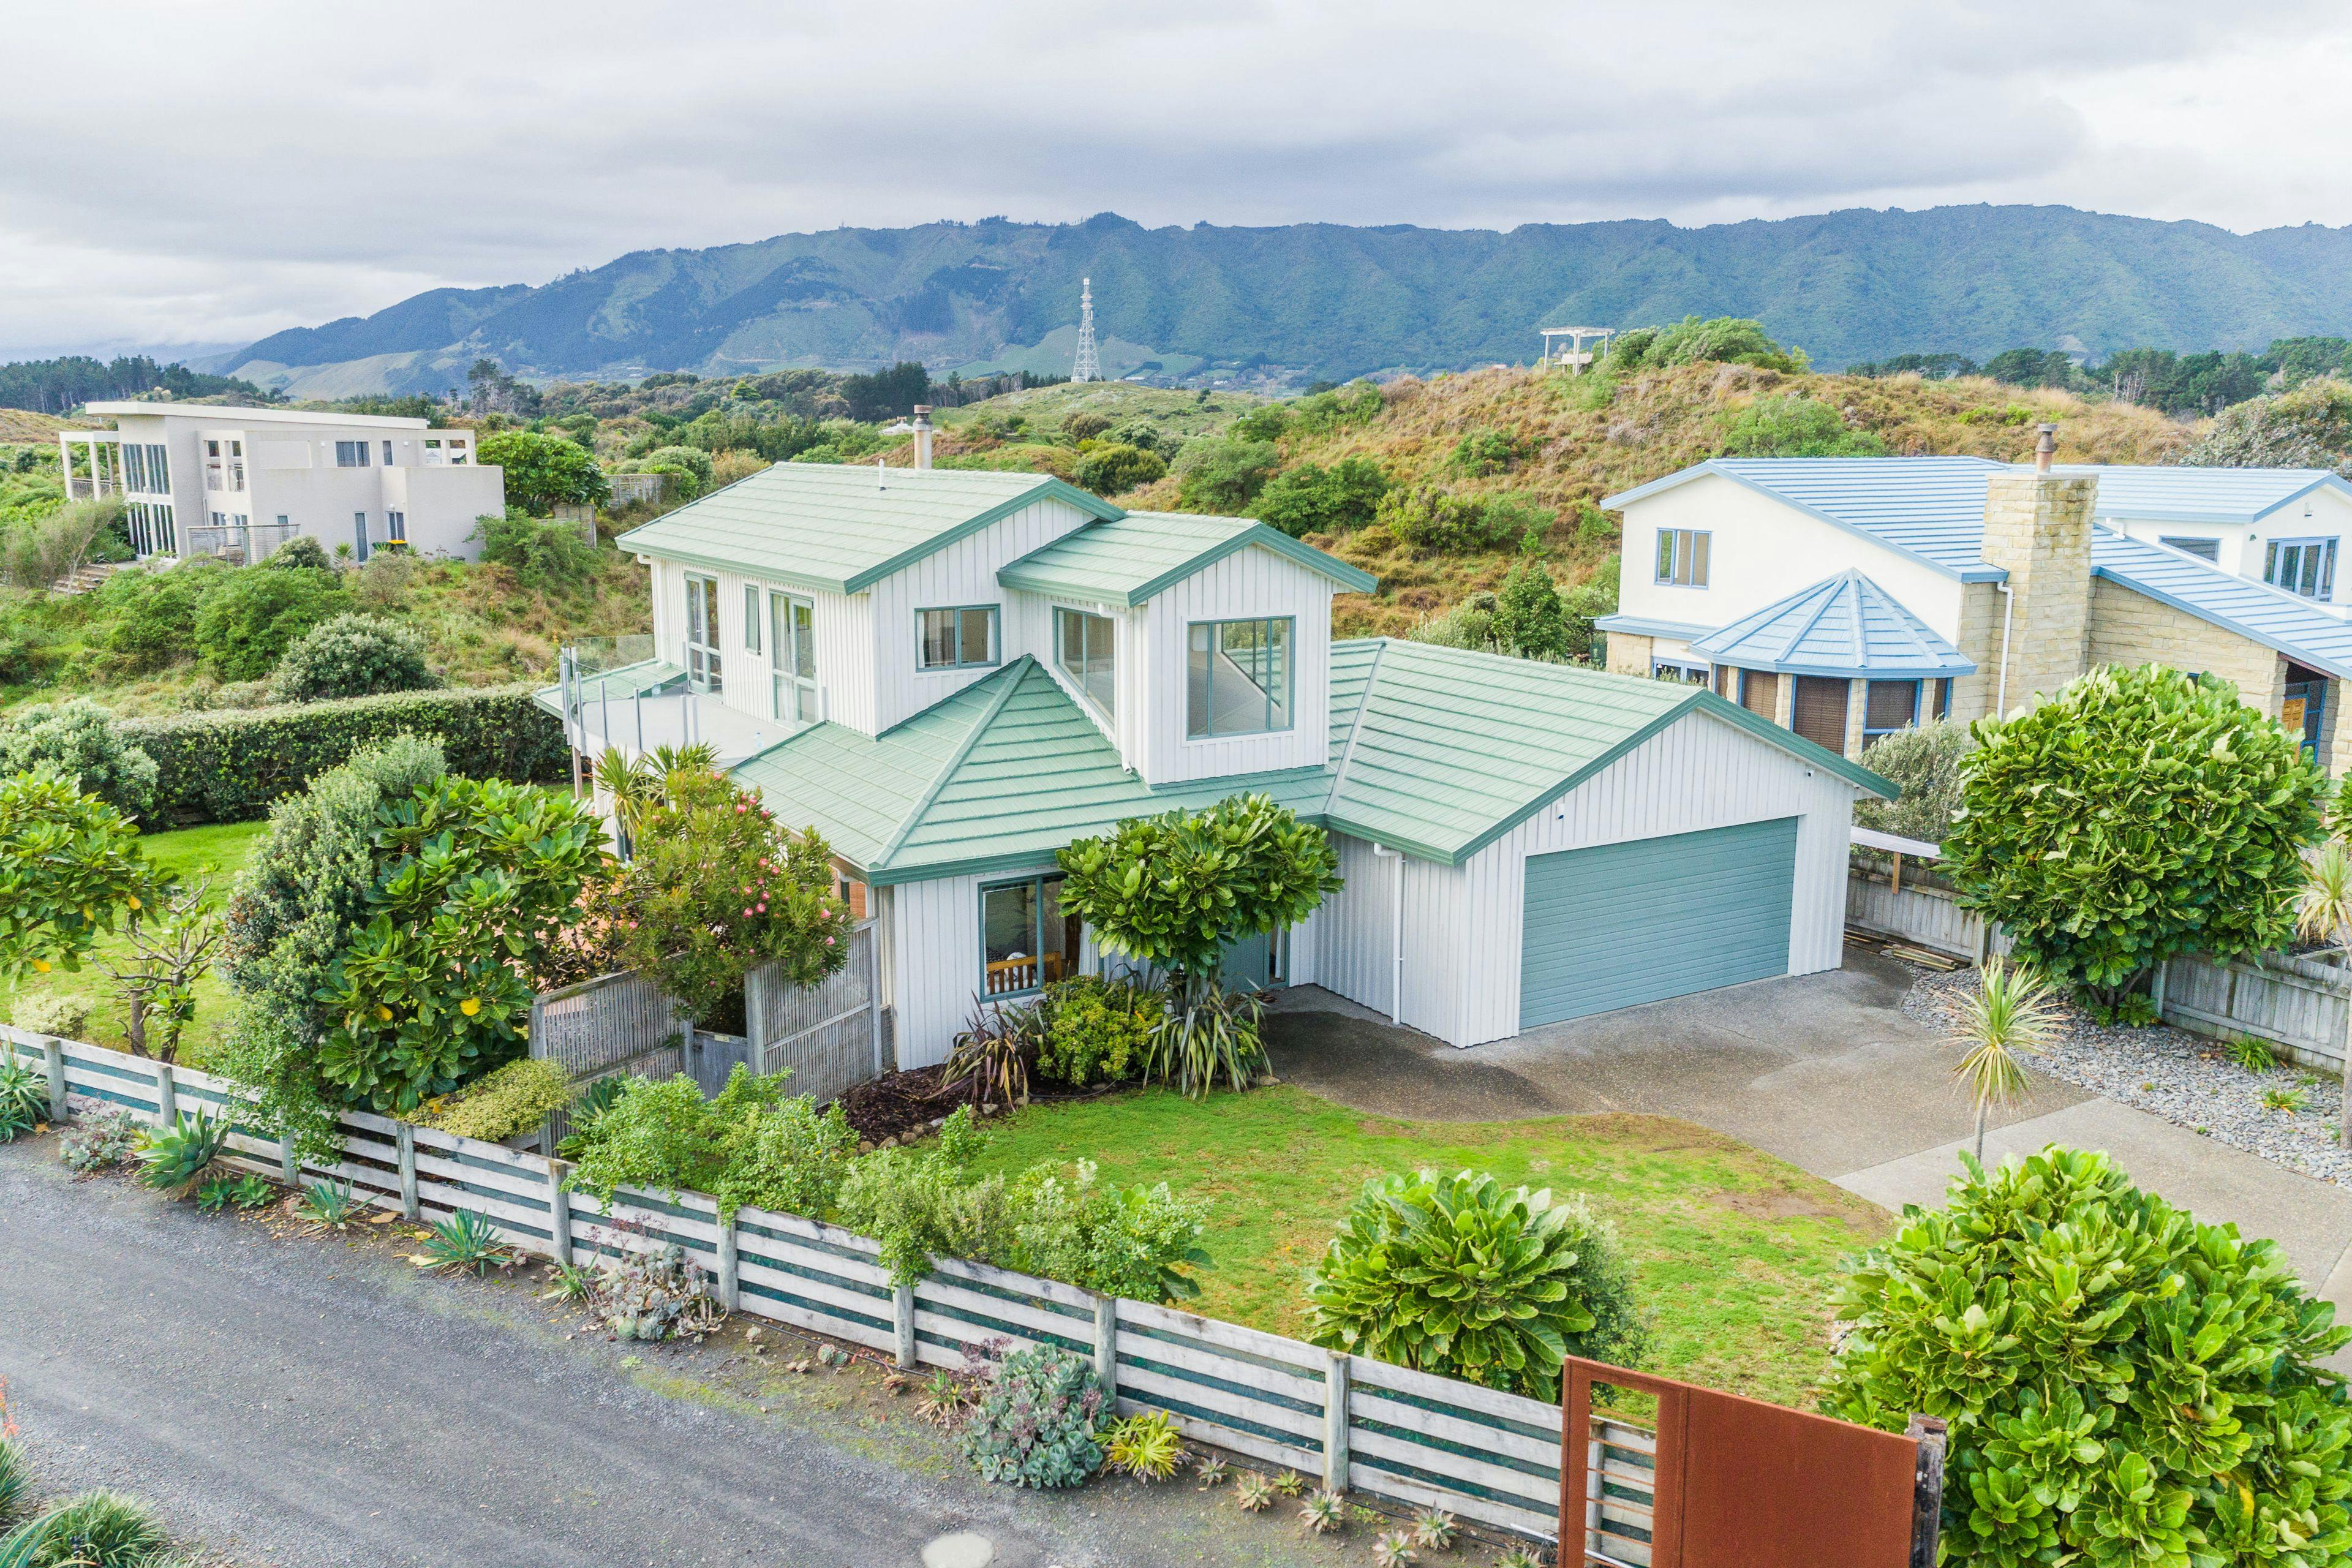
922,435
2044,448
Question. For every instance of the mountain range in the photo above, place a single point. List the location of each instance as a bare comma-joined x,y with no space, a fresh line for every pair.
1308,302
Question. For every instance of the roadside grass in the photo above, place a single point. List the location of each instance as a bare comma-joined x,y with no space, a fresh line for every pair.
1734,1250
216,853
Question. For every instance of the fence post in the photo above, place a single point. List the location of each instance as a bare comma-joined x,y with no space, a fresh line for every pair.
873,988
289,1167
167,1098
2156,987
559,1212
1927,1489
407,1141
53,1053
1106,1349
731,1284
902,1310
1335,1421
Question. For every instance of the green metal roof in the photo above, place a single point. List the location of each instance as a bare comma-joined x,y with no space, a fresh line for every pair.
844,527
1127,560
1435,750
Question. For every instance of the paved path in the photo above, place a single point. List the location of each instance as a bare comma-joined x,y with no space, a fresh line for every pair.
1823,1070
301,1401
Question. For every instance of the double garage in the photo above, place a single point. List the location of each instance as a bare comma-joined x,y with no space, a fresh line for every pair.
1710,853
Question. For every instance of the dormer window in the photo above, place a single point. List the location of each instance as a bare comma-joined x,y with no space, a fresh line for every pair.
1081,647
2305,566
1237,677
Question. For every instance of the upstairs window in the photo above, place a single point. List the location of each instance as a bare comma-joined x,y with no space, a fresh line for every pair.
351,454
1682,557
2203,549
702,660
2305,566
1237,677
962,638
1081,647
387,454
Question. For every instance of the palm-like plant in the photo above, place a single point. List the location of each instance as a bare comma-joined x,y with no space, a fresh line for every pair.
2010,1016
2323,913
640,788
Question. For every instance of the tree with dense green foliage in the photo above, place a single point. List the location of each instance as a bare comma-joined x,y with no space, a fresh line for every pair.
152,614
244,625
1108,469
472,880
41,552
1728,339
1795,425
1529,616
543,472
70,869
690,468
1311,498
544,553
717,888
79,742
1925,763
1457,1276
1436,521
57,385
2137,814
2121,1385
352,655
301,551
1222,475
2309,427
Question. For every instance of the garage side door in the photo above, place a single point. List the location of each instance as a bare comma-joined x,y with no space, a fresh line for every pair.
1653,918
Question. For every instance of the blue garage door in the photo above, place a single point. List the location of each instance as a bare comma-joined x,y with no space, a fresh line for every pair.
1640,922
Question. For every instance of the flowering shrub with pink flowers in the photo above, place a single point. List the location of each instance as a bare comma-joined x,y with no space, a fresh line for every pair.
717,889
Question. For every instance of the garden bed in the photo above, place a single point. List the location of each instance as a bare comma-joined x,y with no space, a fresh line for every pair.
904,1106
2188,1080
1734,1251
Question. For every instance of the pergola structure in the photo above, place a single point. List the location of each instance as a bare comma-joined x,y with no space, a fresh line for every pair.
1574,355
104,475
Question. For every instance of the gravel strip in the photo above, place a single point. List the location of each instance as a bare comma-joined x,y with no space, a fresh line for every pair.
2186,1079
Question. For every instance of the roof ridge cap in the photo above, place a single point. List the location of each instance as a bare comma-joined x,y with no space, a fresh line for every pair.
1356,725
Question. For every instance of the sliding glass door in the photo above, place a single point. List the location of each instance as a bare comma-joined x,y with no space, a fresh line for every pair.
793,644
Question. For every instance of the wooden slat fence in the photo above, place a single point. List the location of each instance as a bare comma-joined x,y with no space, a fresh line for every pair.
620,1023
830,1034
2292,1001
1405,1437
1921,915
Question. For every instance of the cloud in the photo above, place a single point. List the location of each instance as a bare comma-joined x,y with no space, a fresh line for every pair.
263,164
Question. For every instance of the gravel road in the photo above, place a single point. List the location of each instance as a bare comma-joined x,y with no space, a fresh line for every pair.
290,1401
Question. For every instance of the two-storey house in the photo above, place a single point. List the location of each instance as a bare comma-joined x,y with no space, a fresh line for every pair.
208,479
952,675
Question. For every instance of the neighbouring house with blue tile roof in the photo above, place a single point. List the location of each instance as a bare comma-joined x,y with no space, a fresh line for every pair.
952,675
1850,597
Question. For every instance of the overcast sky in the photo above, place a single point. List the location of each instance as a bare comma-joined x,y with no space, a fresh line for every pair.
181,173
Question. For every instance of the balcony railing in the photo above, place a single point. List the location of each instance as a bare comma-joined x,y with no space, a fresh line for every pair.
247,546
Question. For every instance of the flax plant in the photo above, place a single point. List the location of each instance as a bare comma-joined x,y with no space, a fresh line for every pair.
2010,1017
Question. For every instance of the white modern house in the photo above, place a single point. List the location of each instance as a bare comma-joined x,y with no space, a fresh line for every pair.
205,479
953,675
1851,597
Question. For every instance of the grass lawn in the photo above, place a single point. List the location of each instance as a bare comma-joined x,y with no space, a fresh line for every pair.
214,853
1734,1251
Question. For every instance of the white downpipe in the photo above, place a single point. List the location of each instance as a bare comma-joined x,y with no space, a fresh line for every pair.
1396,937
2008,610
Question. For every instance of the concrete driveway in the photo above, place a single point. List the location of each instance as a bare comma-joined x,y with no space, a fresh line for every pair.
1824,1072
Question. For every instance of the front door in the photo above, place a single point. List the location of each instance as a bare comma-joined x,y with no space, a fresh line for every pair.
2304,707
792,641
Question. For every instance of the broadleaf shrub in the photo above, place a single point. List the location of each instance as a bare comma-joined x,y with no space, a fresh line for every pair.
352,655
2136,816
2122,1384
541,552
229,766
516,1099
244,625
1925,762
80,741
1040,1422
1095,1030
1458,1276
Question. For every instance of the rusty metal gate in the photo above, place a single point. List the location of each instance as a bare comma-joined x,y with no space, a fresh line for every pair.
1729,1482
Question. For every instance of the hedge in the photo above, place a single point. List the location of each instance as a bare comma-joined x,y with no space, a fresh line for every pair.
228,765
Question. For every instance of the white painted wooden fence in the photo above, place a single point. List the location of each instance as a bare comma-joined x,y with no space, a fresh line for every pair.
1405,1437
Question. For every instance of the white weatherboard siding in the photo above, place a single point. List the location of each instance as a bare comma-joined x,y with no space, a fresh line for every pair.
1351,939
845,643
963,574
1700,773
1250,584
931,965
1761,551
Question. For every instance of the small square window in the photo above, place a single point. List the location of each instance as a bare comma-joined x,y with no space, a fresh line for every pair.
1682,557
961,638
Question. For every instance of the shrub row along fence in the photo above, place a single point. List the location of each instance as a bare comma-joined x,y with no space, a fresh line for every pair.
1405,1437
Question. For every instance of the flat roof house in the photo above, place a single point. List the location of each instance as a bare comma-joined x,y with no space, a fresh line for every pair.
205,479
1851,597
952,675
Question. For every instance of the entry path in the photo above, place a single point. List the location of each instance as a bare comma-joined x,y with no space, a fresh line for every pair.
1825,1072
294,1401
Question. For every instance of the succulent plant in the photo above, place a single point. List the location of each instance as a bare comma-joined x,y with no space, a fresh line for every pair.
1518,1557
329,1205
1393,1550
177,1160
1147,1446
1324,1513
253,1192
1254,1493
99,1141
466,1239
24,1098
1211,1471
1435,1529
214,1194
1290,1483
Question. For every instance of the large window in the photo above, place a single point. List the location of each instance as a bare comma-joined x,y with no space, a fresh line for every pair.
961,639
792,630
1694,672
2305,566
1081,647
1027,941
151,528
1817,710
146,468
351,454
702,661
1237,677
1682,557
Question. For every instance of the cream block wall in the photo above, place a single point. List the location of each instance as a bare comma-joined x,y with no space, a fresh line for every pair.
2130,628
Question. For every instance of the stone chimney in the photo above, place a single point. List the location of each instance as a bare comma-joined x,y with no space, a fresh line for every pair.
922,435
2037,527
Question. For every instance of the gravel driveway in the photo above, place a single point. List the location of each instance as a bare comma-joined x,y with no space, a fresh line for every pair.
296,1400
